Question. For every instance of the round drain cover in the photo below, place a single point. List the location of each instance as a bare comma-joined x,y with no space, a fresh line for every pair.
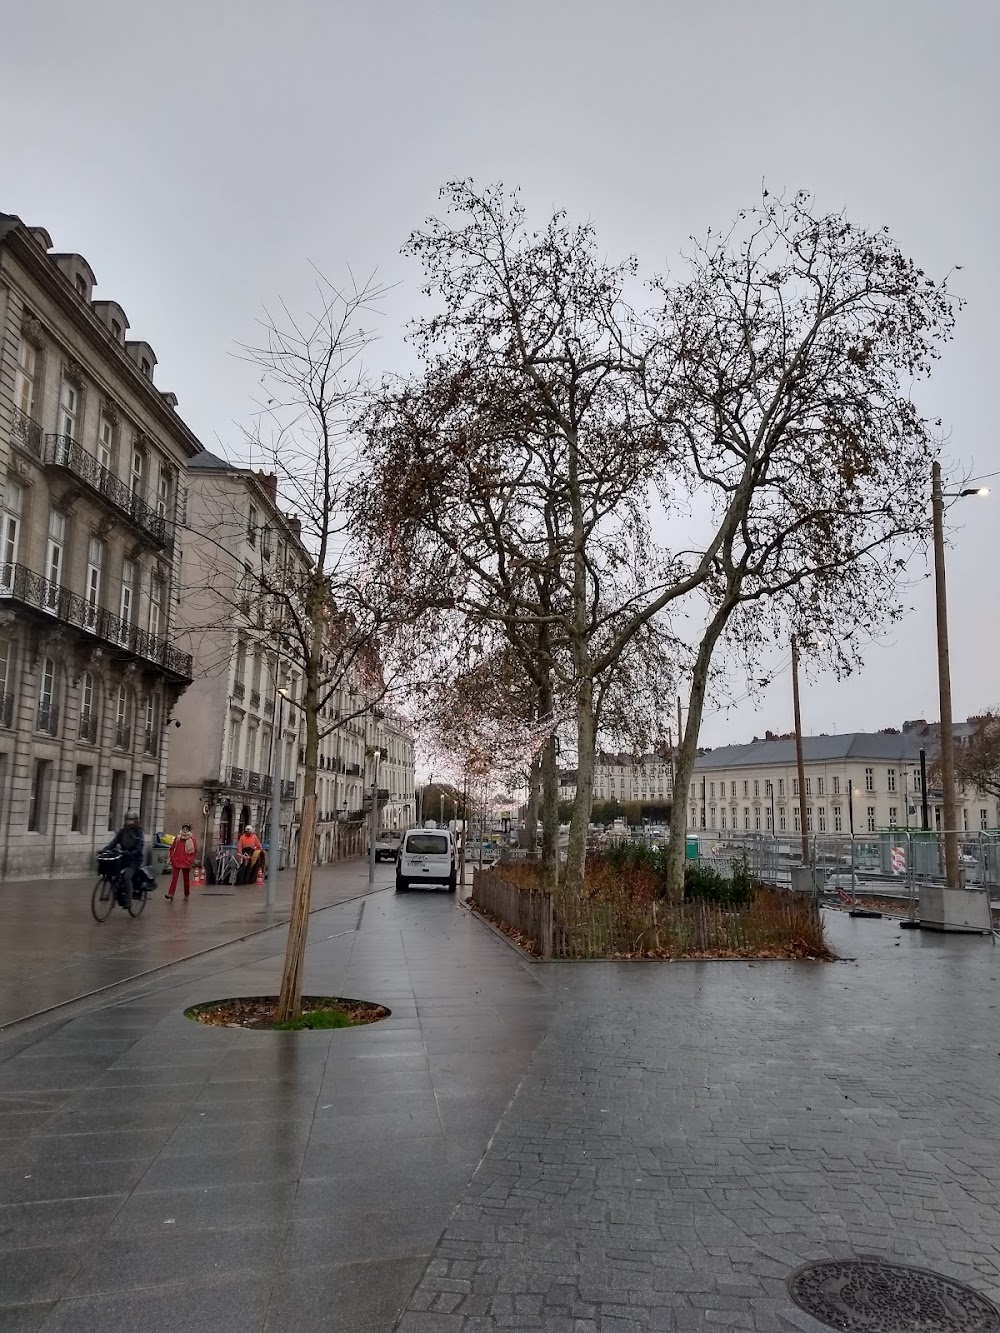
870,1296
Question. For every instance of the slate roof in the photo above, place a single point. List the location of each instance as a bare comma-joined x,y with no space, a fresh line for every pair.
854,745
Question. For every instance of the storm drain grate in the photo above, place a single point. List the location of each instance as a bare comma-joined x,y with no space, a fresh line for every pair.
870,1296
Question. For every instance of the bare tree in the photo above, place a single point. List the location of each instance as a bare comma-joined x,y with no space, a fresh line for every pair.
785,366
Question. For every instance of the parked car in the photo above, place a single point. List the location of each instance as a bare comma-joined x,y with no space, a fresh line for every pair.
427,856
387,846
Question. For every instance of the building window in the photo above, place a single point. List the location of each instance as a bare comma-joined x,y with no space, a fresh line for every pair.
746,817
105,443
756,820
81,798
691,819
795,786
809,819
38,809
163,492
26,379
723,817
155,605
10,528
746,788
48,697
69,408
54,559
116,329
135,481
822,818
146,367
81,285
836,786
871,819
781,786
767,821
265,543
88,713
819,786
92,590
917,784
984,816
711,817
150,728
756,787
253,522
838,819
782,819
123,718
116,806
711,790
7,657
890,779
796,816
809,786
869,779
127,601
893,816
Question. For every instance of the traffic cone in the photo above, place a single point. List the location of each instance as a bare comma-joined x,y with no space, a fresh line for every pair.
198,876
260,874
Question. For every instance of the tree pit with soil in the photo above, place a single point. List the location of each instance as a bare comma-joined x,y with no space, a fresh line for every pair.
256,1013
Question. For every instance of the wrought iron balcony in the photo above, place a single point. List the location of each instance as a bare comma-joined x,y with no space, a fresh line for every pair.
48,718
64,452
259,782
88,727
20,584
27,433
255,698
123,736
353,770
236,777
239,689
6,710
287,789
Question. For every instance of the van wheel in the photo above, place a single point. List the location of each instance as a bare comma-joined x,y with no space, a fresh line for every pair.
452,884
401,885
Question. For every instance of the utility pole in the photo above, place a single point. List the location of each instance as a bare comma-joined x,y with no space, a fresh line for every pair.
948,814
799,760
925,816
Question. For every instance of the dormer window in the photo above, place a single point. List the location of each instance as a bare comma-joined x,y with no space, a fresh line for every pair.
81,285
146,367
116,329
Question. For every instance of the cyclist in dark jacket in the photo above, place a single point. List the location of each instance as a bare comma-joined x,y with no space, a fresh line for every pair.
128,842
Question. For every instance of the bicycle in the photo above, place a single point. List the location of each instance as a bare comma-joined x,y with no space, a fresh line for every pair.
110,887
227,865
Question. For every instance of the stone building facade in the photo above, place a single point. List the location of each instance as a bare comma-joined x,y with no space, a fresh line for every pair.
92,460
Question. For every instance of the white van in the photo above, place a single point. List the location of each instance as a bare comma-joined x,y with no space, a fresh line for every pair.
427,856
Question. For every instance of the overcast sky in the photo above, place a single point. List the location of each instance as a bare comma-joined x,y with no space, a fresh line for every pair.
201,154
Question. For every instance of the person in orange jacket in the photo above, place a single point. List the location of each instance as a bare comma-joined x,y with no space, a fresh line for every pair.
182,855
251,854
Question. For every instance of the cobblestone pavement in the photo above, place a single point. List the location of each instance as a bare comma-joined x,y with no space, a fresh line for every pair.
689,1134
52,951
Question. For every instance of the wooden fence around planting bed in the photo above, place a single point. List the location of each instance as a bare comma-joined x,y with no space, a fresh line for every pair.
776,923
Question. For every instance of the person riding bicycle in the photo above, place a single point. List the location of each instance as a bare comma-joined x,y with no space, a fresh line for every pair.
128,843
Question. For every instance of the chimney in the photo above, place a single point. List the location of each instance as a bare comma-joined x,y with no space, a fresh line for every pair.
295,524
269,481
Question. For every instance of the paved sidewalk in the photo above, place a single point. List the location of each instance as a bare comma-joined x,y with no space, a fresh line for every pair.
690,1134
53,951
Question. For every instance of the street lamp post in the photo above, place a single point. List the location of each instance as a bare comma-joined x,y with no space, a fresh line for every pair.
949,815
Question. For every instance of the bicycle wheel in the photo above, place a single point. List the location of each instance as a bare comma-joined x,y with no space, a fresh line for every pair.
102,899
138,902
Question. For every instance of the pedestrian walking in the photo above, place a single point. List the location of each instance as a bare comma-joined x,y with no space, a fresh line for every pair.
182,856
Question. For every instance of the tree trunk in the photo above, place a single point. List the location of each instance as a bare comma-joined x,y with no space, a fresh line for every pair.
529,839
586,739
290,996
550,814
687,753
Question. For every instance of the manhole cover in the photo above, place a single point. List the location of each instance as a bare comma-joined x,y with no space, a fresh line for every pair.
869,1296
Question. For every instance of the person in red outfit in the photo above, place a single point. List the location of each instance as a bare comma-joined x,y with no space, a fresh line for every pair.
182,854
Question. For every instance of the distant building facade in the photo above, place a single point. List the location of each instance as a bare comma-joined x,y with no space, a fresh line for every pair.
870,781
92,461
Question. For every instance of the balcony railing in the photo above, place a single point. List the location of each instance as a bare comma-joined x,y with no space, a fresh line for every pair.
6,710
64,451
255,698
27,433
255,782
236,777
352,770
88,727
20,584
123,736
48,718
287,789
239,689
